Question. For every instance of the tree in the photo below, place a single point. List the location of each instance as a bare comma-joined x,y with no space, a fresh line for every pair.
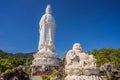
106,55
10,61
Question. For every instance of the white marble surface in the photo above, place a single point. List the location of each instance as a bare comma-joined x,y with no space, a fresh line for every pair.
76,57
83,77
46,54
80,65
45,58
47,31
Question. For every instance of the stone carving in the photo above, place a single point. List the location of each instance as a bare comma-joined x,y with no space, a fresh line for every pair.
46,54
47,31
111,71
79,58
83,77
80,65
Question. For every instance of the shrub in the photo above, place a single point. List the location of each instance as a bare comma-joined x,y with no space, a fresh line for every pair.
8,71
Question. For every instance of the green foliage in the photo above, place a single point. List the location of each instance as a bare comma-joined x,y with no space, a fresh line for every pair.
52,76
4,64
46,77
65,52
8,71
105,78
27,70
10,61
106,55
54,73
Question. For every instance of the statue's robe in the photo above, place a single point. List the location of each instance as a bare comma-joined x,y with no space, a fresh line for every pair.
47,31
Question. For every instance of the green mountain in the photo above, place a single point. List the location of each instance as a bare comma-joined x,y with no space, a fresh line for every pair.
10,60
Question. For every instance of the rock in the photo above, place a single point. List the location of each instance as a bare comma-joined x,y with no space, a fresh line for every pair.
111,71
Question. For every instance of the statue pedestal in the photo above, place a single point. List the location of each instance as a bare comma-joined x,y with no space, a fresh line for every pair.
76,73
83,77
47,59
76,70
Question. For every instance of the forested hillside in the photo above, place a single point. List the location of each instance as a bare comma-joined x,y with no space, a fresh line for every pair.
10,61
106,55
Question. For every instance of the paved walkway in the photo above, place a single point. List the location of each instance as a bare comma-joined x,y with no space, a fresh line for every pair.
36,78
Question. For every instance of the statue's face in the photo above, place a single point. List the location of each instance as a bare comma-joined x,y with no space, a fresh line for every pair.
77,46
48,10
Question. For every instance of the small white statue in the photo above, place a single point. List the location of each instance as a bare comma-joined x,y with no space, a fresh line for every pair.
77,57
71,56
80,65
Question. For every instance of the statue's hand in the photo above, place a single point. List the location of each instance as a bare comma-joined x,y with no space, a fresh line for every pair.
75,59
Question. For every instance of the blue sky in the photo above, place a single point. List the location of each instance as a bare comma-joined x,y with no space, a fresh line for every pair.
93,23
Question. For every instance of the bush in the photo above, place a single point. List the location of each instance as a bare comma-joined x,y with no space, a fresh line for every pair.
46,77
27,70
8,71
